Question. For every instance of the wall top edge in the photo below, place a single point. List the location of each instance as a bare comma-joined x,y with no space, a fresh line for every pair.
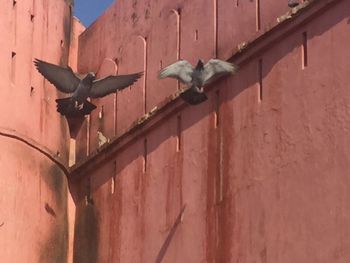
245,52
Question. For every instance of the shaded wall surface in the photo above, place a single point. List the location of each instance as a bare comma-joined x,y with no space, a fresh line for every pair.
34,216
261,167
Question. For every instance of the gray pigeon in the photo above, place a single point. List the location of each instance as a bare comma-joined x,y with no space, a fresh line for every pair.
198,77
65,80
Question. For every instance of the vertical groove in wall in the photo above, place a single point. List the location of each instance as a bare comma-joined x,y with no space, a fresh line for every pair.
145,62
116,61
69,39
14,41
218,224
145,77
32,16
179,133
221,170
178,36
304,51
217,109
215,28
258,15
114,177
112,184
43,17
88,128
14,22
217,125
260,79
101,113
115,106
145,152
13,67
179,27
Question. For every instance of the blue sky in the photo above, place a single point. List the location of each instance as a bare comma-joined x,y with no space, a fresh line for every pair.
88,10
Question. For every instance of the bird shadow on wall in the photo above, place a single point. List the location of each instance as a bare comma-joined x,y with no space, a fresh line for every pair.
230,88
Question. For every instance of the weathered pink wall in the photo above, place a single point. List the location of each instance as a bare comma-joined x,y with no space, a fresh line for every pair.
262,180
147,35
34,215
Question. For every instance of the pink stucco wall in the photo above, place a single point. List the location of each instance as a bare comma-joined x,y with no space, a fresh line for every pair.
147,35
258,173
34,214
262,180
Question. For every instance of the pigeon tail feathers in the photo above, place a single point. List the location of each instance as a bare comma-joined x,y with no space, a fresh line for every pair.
192,97
67,108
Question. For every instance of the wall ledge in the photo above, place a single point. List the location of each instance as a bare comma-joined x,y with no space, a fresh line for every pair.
244,53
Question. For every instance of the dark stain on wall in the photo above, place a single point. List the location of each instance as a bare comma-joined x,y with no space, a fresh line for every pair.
55,249
56,181
50,210
85,234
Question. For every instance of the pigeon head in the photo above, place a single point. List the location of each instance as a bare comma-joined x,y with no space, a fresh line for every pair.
91,75
89,78
200,65
293,3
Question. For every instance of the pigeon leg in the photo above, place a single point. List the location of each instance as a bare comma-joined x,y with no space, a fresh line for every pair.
78,106
81,106
199,89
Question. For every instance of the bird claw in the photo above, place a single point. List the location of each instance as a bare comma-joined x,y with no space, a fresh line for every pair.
199,89
78,106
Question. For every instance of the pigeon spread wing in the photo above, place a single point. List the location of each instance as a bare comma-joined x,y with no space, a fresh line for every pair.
216,68
111,84
181,70
64,79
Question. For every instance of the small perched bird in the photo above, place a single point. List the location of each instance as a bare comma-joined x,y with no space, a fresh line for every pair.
198,77
102,139
293,3
65,80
